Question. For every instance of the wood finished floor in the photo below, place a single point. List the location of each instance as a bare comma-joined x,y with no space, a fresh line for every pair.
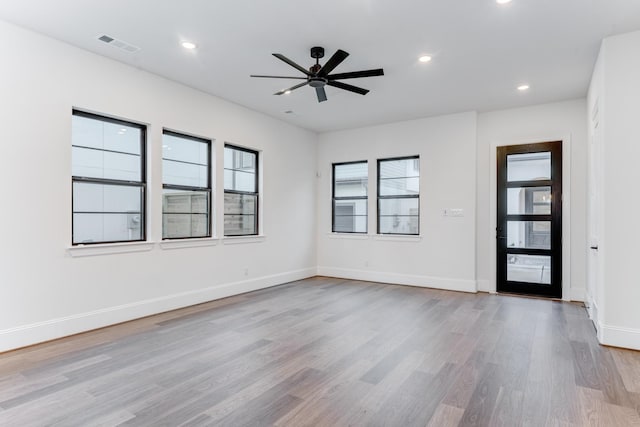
330,352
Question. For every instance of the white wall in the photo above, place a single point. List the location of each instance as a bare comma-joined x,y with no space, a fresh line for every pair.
444,254
551,122
594,297
617,290
44,291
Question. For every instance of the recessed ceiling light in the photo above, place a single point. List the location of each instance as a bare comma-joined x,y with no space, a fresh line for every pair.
424,58
522,88
189,45
503,1
287,92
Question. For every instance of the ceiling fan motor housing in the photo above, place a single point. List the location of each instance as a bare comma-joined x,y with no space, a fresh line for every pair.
317,52
317,82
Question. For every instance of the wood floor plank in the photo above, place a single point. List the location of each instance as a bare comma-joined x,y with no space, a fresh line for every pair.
331,352
627,363
483,400
367,408
446,416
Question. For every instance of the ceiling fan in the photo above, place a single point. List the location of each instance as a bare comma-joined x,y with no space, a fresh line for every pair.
318,76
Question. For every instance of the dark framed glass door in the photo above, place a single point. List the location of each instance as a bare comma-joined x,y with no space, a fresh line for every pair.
529,219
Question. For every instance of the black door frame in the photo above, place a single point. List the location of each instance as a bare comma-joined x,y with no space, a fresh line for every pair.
554,290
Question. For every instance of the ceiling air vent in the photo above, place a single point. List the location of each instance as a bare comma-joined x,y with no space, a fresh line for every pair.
127,47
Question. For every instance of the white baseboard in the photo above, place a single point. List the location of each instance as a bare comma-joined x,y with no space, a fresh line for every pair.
577,294
486,286
592,309
35,333
619,337
400,279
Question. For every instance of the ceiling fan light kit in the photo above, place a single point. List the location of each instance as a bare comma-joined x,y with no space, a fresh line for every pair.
318,76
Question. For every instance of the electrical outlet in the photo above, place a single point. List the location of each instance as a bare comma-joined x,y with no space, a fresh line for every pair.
246,271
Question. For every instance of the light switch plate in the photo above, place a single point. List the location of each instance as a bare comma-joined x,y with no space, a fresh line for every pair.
457,212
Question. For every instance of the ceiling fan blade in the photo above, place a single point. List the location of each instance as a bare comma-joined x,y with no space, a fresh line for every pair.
279,77
333,62
293,64
350,88
291,88
356,74
322,95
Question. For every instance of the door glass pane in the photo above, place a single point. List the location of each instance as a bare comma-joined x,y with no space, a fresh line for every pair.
529,269
529,234
529,166
529,200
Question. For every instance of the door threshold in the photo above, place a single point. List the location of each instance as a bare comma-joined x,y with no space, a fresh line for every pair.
530,296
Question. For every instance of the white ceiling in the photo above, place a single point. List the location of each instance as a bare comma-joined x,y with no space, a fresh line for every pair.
481,50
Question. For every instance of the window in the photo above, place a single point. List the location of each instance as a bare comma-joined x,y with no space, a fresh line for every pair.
240,191
186,186
350,197
108,168
399,195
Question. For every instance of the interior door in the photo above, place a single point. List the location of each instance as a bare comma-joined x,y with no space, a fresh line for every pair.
529,222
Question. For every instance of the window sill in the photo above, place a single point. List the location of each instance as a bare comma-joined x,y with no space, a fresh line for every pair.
109,248
351,236
188,243
238,240
397,238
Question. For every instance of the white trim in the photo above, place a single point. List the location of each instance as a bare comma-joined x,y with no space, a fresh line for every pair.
238,240
578,294
377,237
566,204
592,309
397,238
34,333
352,236
464,285
486,286
619,337
188,243
109,248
